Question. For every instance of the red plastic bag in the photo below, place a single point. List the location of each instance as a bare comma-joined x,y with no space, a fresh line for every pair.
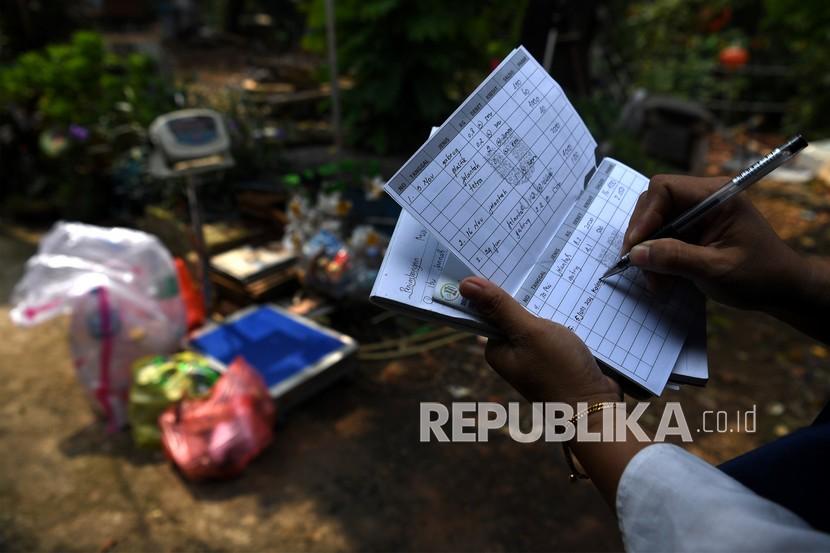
218,436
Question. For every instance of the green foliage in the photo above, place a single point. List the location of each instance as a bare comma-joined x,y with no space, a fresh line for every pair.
335,176
85,111
405,57
80,82
799,32
672,47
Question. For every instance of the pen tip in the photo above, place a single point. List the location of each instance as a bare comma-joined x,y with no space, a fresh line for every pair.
616,268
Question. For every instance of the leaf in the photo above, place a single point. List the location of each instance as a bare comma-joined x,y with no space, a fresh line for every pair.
291,180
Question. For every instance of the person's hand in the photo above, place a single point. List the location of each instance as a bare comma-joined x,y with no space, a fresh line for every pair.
733,255
543,360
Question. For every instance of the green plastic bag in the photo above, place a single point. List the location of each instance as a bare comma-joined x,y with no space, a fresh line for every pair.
159,381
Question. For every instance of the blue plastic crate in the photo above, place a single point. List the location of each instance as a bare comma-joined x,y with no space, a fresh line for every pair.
287,350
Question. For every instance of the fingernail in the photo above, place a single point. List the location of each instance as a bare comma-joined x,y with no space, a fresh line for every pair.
639,254
471,286
633,237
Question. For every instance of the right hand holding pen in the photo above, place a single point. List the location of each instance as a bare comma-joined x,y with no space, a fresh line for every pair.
733,255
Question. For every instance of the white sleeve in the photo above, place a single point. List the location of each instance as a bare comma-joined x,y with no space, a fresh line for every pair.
669,500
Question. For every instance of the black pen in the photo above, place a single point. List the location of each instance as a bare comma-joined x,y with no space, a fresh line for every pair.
740,182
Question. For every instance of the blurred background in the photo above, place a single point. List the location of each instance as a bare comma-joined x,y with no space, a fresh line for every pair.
321,101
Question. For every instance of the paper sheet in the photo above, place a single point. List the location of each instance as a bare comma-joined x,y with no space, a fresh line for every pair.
499,176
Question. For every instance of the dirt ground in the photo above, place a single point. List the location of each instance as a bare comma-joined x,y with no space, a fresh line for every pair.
346,471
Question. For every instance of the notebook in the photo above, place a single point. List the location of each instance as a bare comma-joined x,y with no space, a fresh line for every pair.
509,188
414,262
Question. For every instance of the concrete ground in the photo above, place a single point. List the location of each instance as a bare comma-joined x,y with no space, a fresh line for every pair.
346,471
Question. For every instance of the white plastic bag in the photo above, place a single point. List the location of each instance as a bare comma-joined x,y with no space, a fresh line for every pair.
121,288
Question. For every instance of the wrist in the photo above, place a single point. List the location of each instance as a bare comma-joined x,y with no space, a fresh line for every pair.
803,299
585,402
814,285
605,390
808,286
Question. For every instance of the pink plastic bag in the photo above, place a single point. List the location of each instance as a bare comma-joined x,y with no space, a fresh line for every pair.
218,436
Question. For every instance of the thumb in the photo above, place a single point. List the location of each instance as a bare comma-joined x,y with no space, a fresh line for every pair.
674,257
496,305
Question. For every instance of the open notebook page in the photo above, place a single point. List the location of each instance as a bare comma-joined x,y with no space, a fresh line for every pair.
410,271
499,176
623,324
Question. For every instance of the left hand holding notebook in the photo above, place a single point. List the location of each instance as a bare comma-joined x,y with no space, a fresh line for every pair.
544,361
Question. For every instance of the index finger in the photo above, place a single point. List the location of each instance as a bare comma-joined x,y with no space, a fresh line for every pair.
666,197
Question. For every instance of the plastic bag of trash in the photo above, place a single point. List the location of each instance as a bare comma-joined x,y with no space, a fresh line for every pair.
218,436
158,382
121,289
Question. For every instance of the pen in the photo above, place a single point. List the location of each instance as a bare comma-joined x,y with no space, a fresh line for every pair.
740,182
